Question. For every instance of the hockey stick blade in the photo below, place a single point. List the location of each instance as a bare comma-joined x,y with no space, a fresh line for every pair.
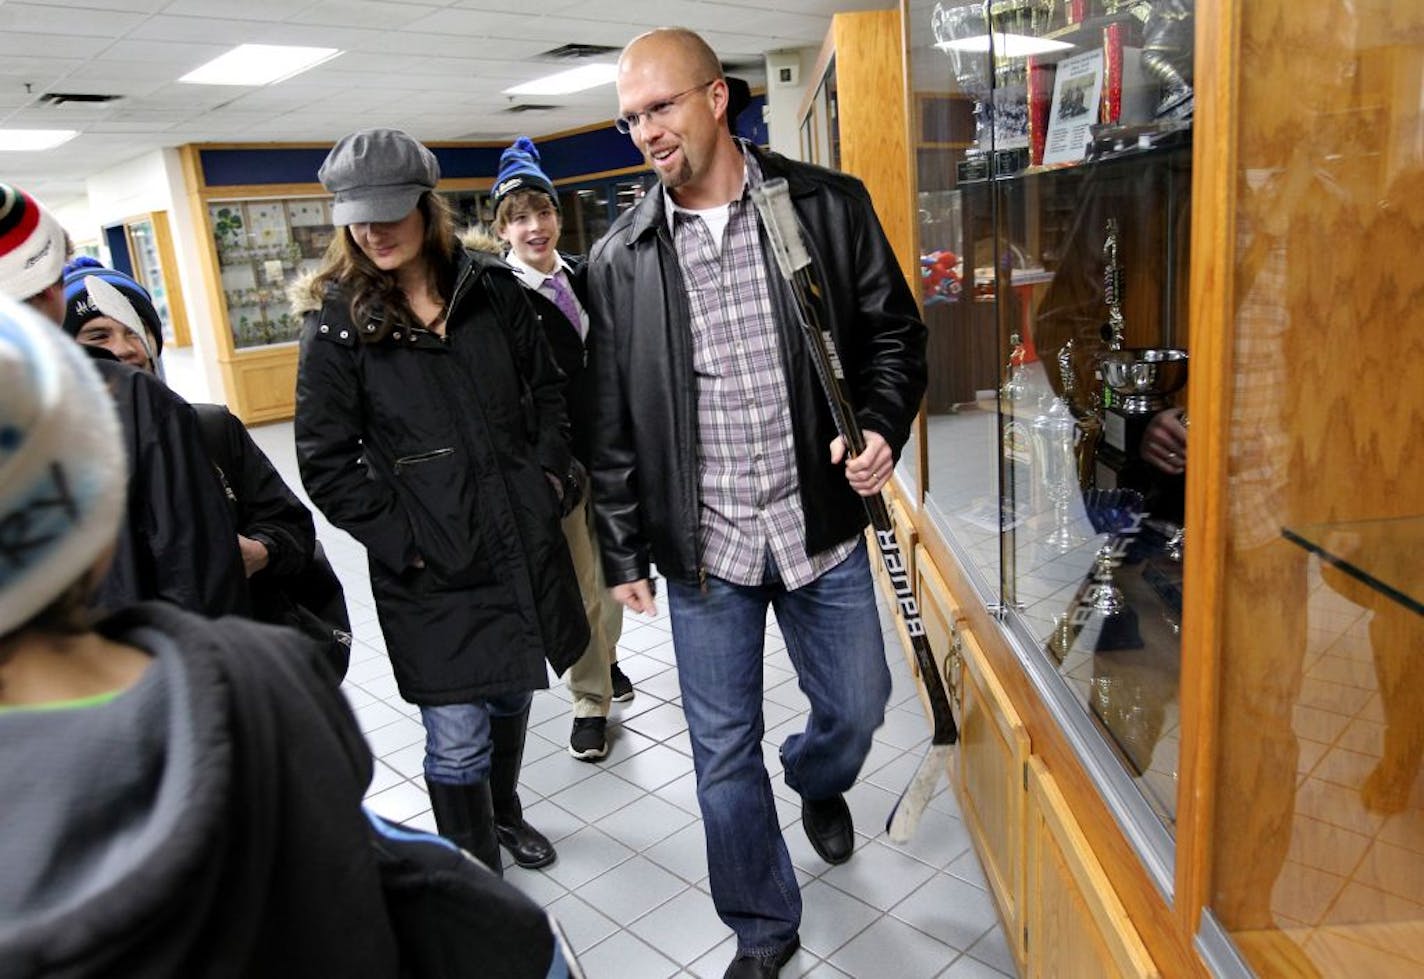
905,816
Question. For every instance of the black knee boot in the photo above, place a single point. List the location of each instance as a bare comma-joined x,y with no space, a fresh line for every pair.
465,815
529,847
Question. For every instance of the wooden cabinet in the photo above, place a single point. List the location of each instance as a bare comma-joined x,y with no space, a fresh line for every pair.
1074,922
993,748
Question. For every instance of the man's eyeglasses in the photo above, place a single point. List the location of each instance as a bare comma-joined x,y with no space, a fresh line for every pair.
657,112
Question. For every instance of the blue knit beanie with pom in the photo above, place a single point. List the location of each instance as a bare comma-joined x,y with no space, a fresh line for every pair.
519,170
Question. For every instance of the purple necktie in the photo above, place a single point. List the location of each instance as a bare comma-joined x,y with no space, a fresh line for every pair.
564,299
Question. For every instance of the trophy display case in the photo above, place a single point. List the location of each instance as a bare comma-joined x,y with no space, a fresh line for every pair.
1165,248
1062,286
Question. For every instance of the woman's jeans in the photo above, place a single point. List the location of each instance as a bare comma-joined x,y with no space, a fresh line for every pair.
832,633
457,737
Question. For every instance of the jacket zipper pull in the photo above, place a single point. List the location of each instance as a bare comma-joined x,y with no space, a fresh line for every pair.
702,579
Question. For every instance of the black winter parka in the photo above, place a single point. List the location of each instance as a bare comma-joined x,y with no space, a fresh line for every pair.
645,468
436,448
178,542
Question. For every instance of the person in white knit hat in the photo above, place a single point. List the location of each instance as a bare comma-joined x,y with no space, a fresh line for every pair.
183,796
62,473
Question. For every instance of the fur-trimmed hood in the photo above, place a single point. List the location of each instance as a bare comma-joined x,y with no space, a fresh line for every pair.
477,239
304,295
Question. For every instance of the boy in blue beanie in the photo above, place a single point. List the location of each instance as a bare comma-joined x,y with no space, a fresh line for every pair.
527,220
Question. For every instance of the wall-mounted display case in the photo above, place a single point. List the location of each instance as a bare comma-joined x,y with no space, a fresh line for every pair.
1163,245
262,246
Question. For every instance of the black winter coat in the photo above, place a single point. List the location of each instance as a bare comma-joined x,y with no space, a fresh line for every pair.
645,469
436,448
178,542
298,587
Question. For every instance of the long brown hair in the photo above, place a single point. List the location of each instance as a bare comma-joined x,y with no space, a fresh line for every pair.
376,296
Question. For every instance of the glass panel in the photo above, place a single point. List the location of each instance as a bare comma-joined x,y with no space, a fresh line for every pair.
471,208
262,246
1090,165
820,113
1096,256
955,245
1054,199
627,193
143,247
1318,825
584,219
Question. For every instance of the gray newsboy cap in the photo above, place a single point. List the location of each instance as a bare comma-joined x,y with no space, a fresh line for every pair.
377,175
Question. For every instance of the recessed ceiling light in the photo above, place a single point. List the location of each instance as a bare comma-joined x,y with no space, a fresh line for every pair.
565,82
258,64
34,139
1007,45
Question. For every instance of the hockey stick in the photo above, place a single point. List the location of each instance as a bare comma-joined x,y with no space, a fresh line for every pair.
773,203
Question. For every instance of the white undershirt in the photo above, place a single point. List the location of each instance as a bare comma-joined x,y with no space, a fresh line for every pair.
715,218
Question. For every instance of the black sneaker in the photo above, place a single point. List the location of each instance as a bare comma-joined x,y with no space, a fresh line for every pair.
589,740
622,686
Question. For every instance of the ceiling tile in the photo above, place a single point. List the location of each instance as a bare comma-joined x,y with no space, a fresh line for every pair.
223,32
364,13
134,6
263,10
24,44
31,18
183,57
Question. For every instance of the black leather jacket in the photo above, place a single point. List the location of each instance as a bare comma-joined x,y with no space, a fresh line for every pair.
645,469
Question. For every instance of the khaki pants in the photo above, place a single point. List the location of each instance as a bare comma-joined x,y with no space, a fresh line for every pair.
588,679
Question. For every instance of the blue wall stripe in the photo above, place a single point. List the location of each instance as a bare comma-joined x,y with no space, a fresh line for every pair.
593,151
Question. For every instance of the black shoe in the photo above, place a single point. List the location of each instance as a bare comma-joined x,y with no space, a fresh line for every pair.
762,966
622,686
829,827
529,847
589,740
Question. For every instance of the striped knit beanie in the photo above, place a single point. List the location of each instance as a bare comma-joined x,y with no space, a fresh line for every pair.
62,464
32,248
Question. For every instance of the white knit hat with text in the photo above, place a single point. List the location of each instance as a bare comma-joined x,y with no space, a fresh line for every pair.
32,245
62,465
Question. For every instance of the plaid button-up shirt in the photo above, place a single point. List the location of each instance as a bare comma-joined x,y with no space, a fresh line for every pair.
751,504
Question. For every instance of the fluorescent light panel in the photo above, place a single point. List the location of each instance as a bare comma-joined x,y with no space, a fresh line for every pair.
1007,45
258,64
21,140
566,82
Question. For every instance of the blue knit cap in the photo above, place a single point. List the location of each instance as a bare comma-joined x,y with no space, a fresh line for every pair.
82,303
519,170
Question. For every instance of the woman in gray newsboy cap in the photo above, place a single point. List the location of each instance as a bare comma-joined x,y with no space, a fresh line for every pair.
430,425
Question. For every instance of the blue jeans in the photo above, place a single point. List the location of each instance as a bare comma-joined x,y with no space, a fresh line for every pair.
457,737
832,633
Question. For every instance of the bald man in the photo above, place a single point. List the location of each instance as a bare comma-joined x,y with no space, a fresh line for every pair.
715,456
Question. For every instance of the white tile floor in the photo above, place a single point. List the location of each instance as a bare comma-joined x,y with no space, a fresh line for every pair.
630,884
